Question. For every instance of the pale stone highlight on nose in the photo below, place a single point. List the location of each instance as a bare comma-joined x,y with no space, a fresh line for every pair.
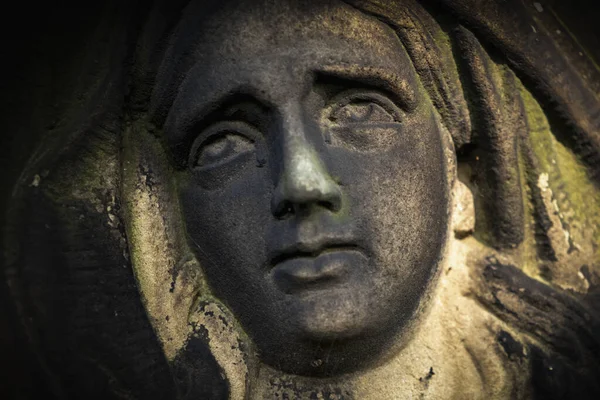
304,175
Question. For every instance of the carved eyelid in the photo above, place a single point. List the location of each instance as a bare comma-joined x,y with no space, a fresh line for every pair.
353,96
240,128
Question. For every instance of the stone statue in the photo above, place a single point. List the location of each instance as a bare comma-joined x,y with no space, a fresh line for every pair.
361,199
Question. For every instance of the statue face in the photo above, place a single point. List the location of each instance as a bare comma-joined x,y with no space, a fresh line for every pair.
313,181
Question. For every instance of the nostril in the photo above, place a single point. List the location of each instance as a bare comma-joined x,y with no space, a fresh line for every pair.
288,209
284,209
331,205
332,199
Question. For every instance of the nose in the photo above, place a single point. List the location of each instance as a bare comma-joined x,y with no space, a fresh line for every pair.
304,184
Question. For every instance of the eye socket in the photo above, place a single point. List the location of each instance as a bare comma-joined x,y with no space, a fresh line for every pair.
362,121
363,107
222,148
222,144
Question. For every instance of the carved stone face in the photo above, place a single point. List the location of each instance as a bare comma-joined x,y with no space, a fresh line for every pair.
312,179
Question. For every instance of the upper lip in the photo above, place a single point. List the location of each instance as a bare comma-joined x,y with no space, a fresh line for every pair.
310,249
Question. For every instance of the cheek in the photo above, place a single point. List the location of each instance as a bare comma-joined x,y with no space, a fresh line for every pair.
408,220
228,225
402,198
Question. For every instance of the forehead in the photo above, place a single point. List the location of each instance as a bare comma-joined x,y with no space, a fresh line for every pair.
291,29
276,47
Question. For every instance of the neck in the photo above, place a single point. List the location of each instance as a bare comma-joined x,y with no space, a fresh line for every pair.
416,372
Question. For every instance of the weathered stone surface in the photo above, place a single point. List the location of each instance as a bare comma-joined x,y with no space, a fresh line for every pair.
362,199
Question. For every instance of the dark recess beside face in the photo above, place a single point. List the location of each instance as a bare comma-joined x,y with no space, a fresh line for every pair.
312,181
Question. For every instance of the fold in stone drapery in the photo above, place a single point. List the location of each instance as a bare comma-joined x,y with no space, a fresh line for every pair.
499,123
512,29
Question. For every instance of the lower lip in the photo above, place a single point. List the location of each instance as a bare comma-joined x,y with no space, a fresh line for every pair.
313,273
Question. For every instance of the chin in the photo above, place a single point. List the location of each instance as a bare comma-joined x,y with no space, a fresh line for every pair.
337,331
332,345
332,313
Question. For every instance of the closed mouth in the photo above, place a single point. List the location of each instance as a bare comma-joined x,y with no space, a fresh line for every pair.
304,271
304,251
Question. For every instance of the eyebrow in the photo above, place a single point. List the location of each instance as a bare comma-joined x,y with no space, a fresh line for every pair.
388,81
401,90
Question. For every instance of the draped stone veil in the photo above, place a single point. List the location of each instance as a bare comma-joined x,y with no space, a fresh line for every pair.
100,266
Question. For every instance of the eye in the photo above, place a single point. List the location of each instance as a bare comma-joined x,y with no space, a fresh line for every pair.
362,121
223,144
222,148
363,107
361,112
